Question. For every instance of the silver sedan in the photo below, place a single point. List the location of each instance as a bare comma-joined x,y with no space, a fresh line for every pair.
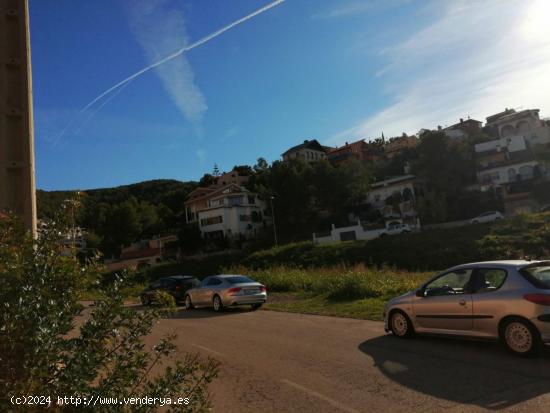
219,291
506,300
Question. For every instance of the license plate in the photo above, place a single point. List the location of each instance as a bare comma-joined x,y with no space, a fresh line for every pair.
250,292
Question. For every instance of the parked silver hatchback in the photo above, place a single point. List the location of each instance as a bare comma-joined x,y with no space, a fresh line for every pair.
506,300
219,291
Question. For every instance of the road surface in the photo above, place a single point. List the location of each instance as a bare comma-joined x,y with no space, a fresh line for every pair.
282,362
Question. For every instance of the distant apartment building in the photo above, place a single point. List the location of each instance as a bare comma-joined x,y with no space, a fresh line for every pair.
525,123
227,212
396,145
309,151
509,167
359,150
463,129
504,161
232,177
403,189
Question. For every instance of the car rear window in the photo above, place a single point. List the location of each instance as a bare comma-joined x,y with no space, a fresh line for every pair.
239,279
538,275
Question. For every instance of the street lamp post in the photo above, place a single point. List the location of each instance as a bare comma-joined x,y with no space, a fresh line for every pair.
271,198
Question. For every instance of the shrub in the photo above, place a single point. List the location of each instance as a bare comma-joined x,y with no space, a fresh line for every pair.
433,249
43,353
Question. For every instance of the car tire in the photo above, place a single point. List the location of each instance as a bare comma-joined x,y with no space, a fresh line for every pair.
217,303
188,303
400,324
145,300
256,306
521,337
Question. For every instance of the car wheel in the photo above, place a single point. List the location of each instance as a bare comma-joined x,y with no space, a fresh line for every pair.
188,304
145,300
217,303
400,324
521,337
256,306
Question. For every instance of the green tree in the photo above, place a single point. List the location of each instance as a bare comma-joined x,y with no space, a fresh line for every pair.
42,352
190,238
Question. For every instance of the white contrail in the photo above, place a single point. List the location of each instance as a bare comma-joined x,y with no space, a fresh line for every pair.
174,55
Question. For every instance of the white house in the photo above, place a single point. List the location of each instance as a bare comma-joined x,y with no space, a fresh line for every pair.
403,187
309,151
231,213
525,123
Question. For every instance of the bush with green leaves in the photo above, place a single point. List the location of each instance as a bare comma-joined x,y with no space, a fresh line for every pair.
51,346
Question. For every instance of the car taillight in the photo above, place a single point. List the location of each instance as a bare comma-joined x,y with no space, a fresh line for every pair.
263,289
234,290
541,299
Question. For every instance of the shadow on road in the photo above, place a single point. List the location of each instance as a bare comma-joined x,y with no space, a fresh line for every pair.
181,312
470,372
209,313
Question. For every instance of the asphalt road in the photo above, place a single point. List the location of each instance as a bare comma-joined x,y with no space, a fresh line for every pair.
281,362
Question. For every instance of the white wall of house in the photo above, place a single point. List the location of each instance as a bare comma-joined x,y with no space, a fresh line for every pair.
231,220
380,191
359,234
526,124
511,144
506,174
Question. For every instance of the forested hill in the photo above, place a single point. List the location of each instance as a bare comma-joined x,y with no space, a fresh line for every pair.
120,215
168,192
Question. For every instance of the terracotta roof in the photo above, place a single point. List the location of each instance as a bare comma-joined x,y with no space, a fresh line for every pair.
149,252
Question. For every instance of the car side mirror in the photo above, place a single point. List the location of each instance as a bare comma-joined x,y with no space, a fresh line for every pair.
420,292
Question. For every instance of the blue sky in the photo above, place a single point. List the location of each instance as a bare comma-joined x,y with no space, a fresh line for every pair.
335,70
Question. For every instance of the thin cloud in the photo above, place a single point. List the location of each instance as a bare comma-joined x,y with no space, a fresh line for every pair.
160,29
475,59
354,8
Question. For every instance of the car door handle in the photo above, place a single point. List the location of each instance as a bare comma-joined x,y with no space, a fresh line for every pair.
462,302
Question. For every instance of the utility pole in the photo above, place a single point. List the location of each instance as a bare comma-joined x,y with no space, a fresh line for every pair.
271,198
17,182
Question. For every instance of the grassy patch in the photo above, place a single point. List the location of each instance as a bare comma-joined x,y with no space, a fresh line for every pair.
367,308
357,291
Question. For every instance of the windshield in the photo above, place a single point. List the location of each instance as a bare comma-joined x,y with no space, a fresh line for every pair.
538,275
240,279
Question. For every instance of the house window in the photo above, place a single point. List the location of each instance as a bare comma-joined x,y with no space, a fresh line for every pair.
526,172
211,221
235,200
251,199
244,218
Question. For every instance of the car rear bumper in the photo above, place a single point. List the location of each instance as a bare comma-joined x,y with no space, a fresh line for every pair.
542,323
246,299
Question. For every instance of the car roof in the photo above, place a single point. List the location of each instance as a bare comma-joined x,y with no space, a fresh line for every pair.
509,264
230,275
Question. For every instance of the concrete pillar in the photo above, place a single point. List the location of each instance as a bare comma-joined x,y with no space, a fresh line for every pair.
17,182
